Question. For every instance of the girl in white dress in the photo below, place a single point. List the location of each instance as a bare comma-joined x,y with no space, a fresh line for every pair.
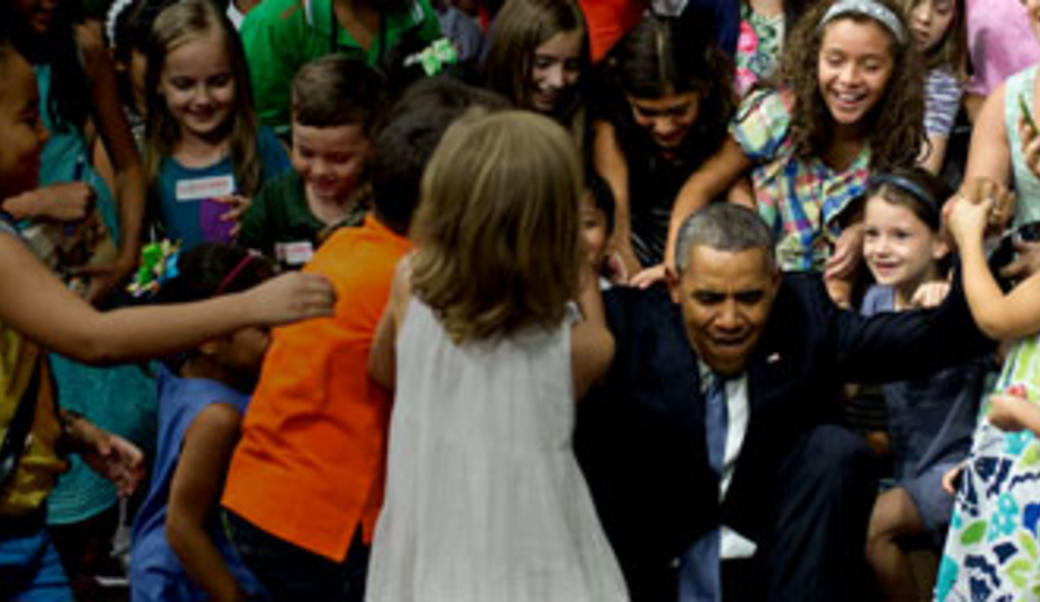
484,499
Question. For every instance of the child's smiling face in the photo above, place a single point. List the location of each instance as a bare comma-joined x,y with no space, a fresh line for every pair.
854,68
22,135
198,84
330,159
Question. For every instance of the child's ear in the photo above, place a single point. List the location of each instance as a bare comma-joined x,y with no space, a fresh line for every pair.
940,247
671,278
211,347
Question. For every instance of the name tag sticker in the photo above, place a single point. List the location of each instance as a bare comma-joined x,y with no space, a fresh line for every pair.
196,189
294,253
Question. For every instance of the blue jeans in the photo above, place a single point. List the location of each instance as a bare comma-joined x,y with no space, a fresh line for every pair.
30,570
291,573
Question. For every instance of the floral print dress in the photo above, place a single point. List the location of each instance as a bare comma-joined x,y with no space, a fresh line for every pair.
992,550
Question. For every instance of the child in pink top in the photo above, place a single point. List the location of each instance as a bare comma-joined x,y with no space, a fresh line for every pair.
1000,44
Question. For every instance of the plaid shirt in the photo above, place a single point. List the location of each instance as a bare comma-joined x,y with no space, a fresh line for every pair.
801,198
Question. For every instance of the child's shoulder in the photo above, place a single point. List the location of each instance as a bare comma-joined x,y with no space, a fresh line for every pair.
878,298
763,121
359,254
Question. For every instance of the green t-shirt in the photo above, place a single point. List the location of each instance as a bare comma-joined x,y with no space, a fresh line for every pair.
280,36
280,224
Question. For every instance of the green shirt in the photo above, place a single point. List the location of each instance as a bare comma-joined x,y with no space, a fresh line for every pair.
279,36
280,224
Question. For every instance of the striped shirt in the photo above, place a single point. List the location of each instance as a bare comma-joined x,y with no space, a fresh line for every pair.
942,100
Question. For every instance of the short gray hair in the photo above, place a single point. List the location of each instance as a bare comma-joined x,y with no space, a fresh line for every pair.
724,227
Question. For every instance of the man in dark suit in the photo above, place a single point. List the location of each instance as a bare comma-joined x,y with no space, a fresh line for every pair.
712,452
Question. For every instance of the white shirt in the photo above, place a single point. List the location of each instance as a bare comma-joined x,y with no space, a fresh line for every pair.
733,544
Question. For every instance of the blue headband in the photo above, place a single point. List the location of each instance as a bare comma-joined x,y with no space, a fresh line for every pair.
868,8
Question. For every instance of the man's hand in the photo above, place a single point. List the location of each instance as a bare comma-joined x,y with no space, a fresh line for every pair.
847,253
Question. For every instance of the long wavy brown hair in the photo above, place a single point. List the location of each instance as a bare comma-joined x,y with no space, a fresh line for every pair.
497,226
520,28
895,126
952,51
178,24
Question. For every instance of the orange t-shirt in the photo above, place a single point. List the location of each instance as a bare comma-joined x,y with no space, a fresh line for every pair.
608,21
311,461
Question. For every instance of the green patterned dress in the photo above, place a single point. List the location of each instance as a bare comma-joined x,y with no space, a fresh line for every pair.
992,550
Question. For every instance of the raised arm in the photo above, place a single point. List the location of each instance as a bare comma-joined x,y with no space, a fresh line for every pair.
989,155
899,345
1000,316
714,178
129,176
36,304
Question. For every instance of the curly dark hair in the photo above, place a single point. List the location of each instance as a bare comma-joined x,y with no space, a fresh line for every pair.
895,125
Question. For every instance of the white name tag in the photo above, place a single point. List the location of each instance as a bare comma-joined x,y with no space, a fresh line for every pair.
294,253
196,189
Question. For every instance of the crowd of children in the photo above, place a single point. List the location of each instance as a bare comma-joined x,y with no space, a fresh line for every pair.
369,243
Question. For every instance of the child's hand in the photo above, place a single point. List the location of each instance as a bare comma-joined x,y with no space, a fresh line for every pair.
949,480
1027,260
978,190
109,455
237,206
966,220
930,294
290,298
65,202
1030,146
847,252
1003,412
651,276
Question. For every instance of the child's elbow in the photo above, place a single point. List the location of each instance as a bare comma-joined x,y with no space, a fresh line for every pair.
998,326
176,528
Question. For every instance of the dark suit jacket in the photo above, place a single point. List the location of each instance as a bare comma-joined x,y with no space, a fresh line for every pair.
640,437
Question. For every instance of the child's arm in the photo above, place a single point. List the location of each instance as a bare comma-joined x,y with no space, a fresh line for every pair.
611,164
989,155
1012,413
194,492
129,176
716,176
382,358
592,344
999,316
35,304
934,154
65,202
109,455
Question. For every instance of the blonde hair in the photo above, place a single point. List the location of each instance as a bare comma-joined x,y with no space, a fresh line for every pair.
176,25
497,226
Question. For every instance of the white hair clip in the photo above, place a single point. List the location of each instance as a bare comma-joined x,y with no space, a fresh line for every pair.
114,11
869,8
